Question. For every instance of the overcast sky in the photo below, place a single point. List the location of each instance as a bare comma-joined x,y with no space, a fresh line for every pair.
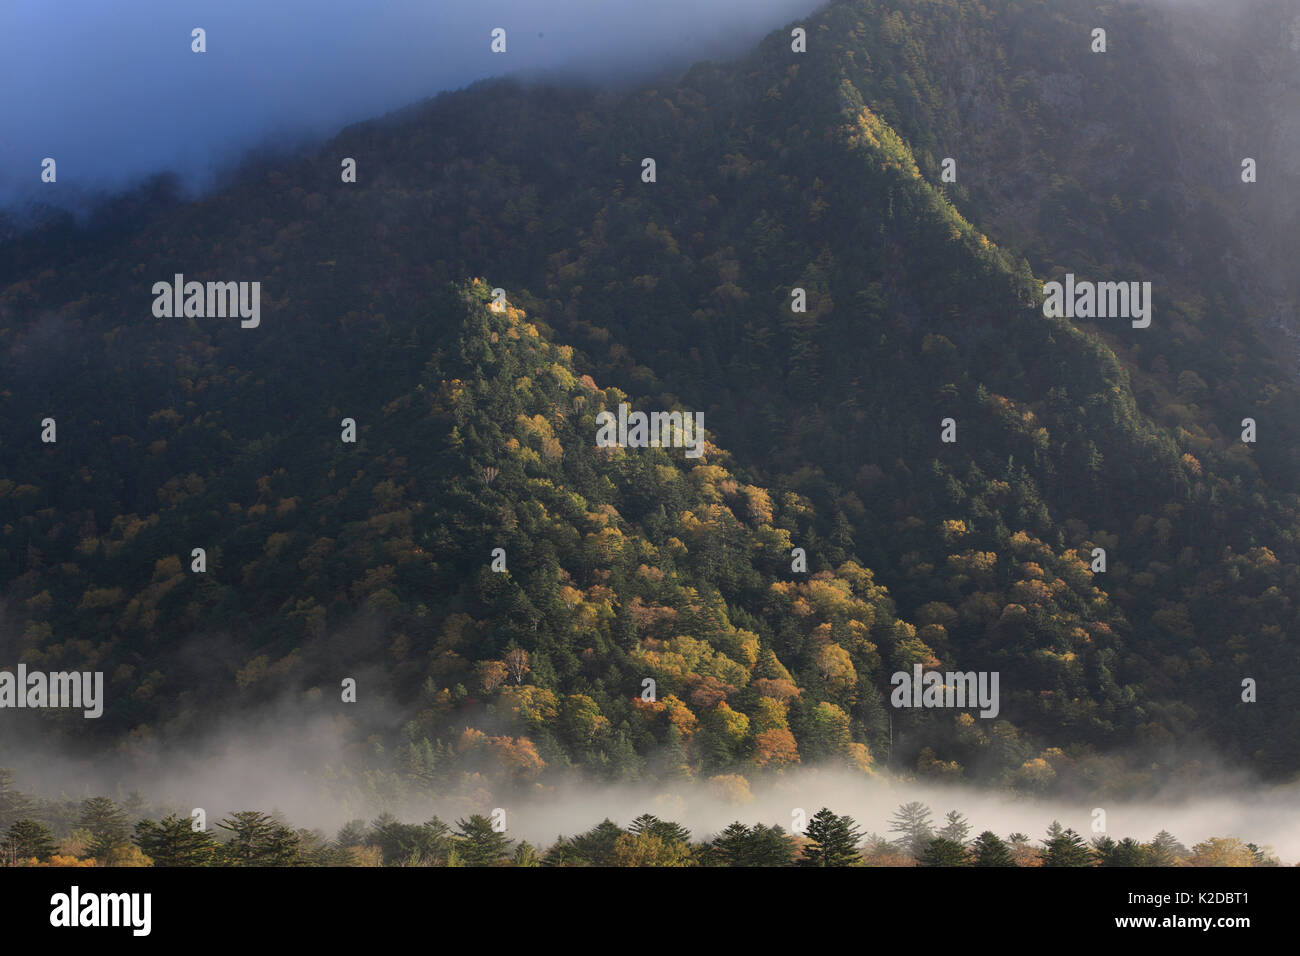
111,90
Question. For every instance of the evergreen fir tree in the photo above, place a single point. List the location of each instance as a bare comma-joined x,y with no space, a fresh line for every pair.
13,805
991,851
1165,850
912,820
1067,849
173,841
833,840
1127,852
941,851
526,855
596,845
478,844
107,825
665,830
26,839
731,846
258,840
1104,848
956,828
770,846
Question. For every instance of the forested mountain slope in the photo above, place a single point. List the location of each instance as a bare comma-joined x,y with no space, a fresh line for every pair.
816,171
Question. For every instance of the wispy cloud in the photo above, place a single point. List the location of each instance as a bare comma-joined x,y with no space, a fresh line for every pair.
113,91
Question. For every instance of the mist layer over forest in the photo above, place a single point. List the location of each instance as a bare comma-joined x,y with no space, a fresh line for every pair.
297,772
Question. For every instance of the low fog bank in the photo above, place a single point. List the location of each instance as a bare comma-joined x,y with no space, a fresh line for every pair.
1265,816
300,772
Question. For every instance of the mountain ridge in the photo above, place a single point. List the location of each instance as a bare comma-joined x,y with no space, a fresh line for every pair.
914,316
